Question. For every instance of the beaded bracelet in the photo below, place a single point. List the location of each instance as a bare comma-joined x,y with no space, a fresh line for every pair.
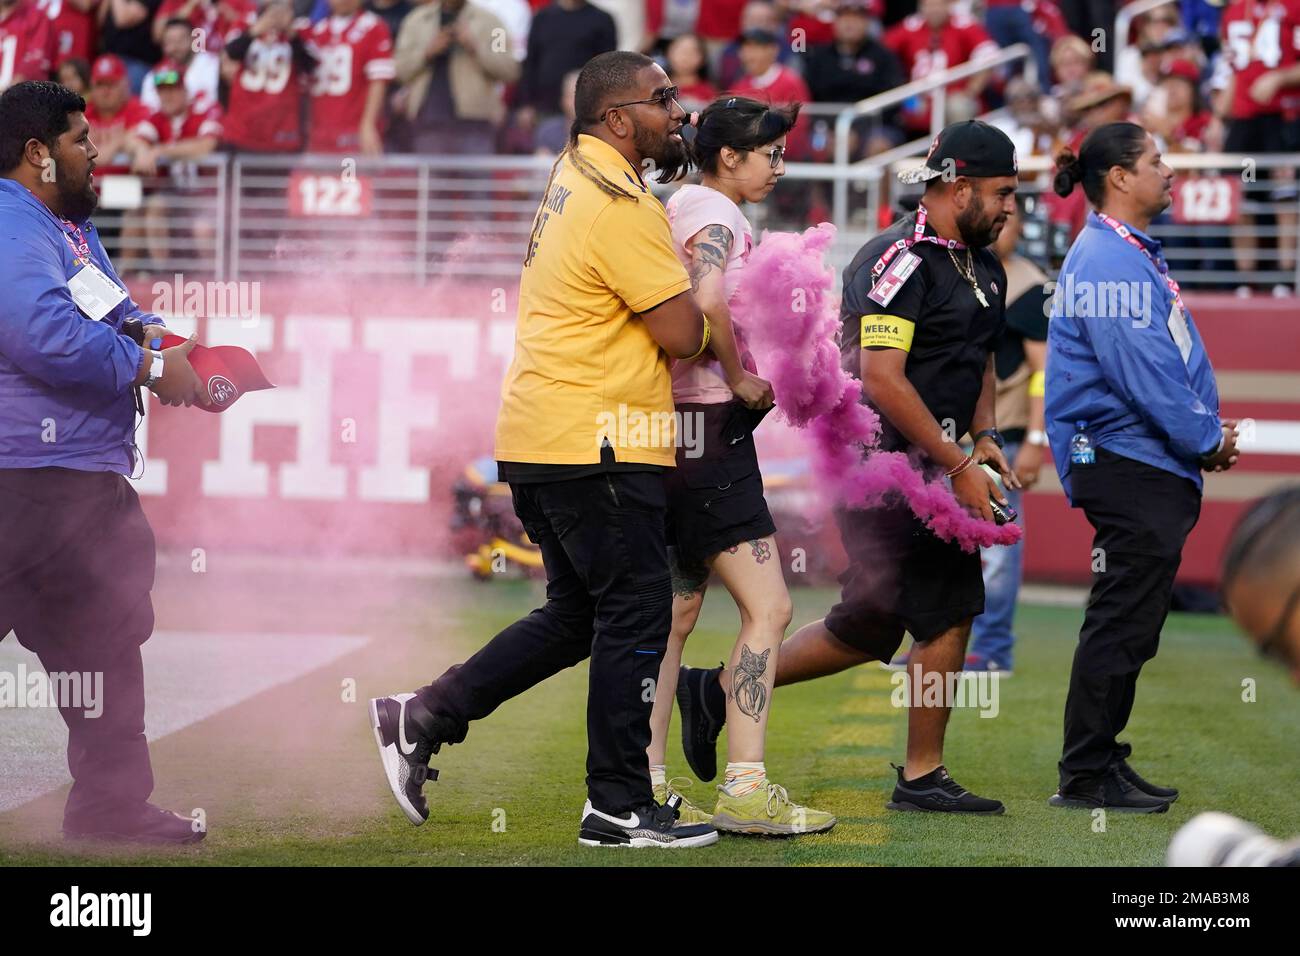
965,463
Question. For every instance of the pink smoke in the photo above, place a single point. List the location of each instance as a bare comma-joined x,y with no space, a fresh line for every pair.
788,310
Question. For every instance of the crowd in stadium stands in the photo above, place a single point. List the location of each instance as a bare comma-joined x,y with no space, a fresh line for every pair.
167,79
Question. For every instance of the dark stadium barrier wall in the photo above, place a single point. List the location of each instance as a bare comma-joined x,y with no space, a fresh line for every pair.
388,391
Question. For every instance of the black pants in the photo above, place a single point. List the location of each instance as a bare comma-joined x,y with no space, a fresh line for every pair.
607,598
1142,516
76,569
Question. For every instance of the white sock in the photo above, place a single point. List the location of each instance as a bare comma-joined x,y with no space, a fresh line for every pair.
743,778
658,775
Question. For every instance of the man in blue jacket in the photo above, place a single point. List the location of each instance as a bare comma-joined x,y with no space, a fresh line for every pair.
76,552
1133,419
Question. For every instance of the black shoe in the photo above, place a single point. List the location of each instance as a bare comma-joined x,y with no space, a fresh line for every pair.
148,824
1111,792
1133,777
703,705
937,792
651,826
405,750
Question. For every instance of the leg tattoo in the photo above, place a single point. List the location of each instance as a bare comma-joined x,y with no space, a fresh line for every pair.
747,687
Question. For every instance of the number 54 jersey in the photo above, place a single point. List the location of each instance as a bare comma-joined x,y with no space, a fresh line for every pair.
1260,36
352,52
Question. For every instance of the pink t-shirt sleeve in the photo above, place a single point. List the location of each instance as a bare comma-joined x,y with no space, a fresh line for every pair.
691,209
698,207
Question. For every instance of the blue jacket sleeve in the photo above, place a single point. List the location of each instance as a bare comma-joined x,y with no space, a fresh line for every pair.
1142,363
43,332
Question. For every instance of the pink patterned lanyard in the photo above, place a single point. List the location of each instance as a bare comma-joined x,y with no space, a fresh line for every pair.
80,248
1160,265
918,235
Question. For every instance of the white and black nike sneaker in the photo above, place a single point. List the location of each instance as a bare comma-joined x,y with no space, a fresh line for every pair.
405,753
651,826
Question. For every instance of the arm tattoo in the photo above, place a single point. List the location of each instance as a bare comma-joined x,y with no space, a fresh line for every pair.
747,687
709,253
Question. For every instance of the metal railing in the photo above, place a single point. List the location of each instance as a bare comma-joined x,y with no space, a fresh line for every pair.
1201,249
936,87
424,218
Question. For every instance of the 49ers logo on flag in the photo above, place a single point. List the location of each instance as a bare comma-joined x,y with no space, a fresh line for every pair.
222,390
220,367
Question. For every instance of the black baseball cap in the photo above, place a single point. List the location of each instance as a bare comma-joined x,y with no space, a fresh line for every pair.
970,148
760,36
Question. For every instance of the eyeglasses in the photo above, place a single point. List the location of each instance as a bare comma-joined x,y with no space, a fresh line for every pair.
665,98
774,155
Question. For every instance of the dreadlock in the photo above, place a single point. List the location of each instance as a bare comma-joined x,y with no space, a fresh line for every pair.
584,167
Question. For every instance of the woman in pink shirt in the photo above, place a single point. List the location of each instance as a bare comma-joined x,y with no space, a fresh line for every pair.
718,520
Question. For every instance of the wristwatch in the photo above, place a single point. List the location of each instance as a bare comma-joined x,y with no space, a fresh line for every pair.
155,370
991,433
1036,436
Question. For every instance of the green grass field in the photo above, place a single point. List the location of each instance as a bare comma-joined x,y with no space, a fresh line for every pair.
291,777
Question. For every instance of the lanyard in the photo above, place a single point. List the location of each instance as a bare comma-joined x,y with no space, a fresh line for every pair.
80,248
918,235
1160,265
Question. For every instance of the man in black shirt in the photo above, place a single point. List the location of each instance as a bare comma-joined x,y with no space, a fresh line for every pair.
922,310
126,30
392,12
854,66
563,37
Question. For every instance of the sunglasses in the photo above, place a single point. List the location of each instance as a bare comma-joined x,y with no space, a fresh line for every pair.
774,155
665,98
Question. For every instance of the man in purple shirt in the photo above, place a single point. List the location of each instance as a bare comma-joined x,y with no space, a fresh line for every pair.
76,552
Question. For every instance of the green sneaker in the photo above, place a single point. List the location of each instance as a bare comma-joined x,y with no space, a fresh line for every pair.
687,812
768,810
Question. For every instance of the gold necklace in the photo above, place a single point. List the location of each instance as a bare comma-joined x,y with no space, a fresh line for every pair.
969,275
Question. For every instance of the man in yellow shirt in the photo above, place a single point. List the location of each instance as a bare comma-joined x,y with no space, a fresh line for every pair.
585,431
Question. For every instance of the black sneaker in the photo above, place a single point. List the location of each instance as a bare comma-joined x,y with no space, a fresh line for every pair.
651,826
703,705
937,792
405,751
1133,777
145,824
1111,792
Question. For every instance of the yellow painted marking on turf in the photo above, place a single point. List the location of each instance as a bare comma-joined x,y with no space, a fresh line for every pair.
848,802
858,834
875,723
860,734
863,705
871,677
841,765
